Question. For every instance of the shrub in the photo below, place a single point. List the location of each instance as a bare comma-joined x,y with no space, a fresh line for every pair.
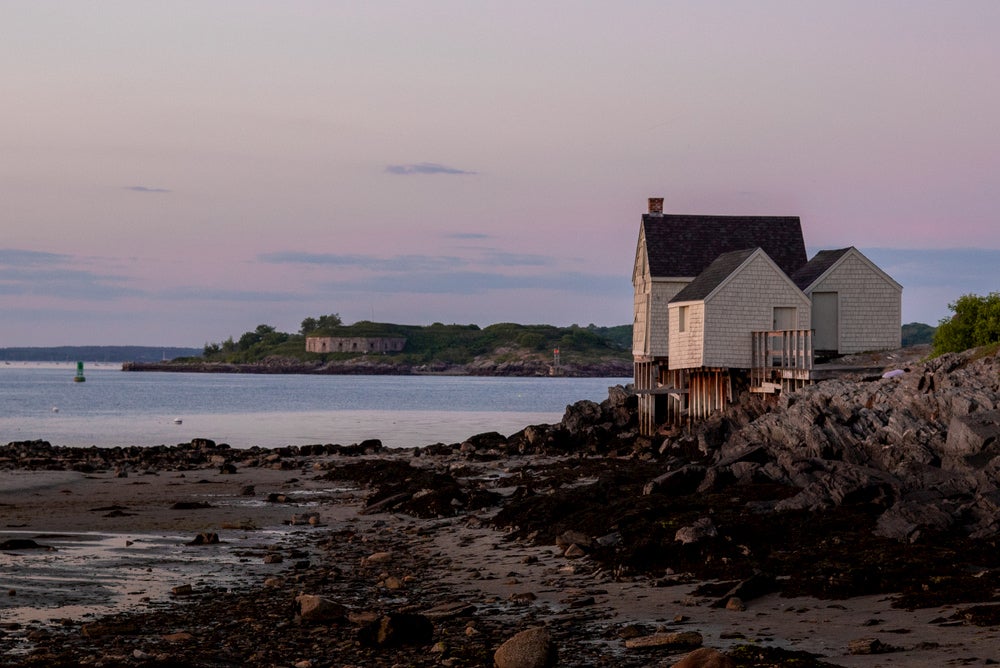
976,322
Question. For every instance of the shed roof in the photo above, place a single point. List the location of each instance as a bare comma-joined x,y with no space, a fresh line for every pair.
807,274
708,280
681,245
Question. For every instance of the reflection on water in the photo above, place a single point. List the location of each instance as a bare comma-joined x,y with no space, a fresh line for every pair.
90,574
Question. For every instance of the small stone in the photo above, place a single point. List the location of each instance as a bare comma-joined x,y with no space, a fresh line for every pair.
376,558
681,640
869,646
736,604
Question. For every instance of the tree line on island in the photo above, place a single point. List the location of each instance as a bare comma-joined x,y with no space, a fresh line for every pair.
437,343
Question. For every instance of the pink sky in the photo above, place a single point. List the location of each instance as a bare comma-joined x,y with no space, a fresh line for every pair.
177,173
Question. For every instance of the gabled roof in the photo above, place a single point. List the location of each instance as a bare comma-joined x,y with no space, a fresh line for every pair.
717,272
682,246
824,262
816,267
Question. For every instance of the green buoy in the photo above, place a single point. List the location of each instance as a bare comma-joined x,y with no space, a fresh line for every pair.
78,378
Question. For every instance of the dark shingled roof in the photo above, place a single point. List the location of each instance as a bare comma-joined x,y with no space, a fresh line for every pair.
715,274
684,245
809,272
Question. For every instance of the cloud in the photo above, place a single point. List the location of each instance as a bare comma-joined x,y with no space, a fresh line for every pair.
146,189
392,264
40,274
65,284
424,168
467,236
974,268
14,257
505,259
188,293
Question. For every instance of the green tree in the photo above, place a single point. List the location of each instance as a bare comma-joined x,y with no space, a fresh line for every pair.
323,323
976,322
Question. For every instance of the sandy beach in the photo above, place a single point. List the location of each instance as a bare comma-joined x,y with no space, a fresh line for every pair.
124,585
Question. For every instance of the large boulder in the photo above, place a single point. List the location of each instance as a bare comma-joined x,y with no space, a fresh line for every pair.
532,648
705,657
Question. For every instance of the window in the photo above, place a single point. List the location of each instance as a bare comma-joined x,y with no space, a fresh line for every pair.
784,318
682,316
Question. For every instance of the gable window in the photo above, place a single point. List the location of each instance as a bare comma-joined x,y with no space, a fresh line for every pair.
682,316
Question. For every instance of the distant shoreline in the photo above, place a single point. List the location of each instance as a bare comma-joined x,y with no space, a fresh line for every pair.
611,369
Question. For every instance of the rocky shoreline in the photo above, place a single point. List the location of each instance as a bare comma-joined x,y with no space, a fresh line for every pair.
854,517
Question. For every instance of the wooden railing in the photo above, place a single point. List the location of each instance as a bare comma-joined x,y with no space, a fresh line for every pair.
780,360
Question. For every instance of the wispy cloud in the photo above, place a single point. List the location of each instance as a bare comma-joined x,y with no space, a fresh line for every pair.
14,257
505,259
147,189
396,263
41,274
467,236
65,284
424,168
189,293
939,266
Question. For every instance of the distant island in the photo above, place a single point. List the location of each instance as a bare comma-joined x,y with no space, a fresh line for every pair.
325,345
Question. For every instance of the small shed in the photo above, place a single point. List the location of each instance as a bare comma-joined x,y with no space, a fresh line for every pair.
856,306
711,320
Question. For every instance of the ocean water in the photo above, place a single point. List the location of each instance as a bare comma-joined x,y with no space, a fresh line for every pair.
41,401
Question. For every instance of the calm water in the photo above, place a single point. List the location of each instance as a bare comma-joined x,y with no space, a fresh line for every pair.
117,408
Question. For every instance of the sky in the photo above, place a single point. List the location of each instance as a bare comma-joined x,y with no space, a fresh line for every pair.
175,173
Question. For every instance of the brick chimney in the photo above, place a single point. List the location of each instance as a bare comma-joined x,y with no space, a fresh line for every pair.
656,205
